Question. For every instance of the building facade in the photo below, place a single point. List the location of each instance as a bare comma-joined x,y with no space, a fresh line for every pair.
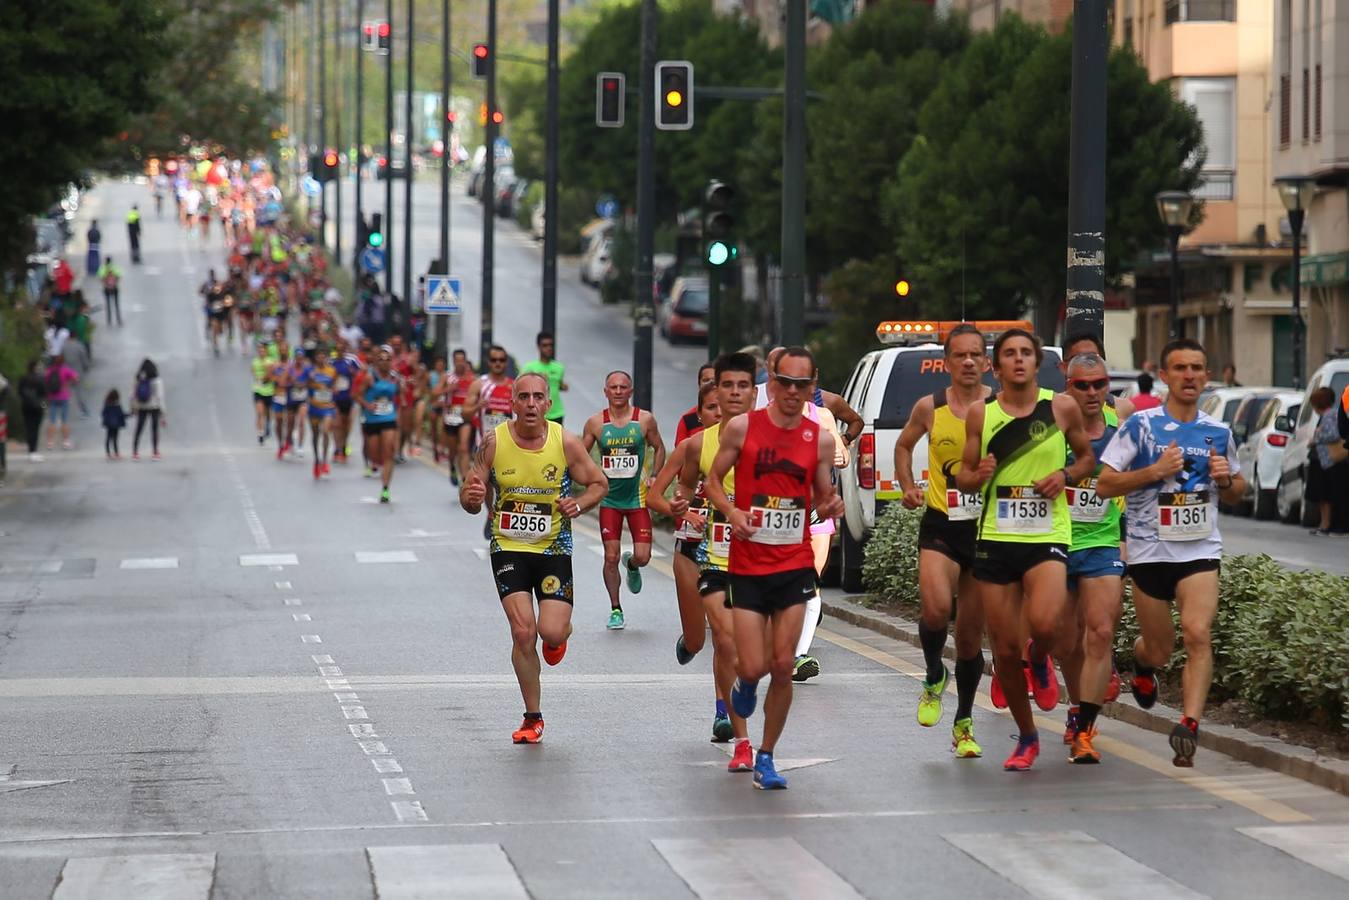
984,14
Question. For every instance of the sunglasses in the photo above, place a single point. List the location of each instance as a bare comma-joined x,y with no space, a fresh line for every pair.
787,381
496,359
1099,384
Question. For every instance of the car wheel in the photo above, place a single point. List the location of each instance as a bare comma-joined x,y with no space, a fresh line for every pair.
850,563
1266,504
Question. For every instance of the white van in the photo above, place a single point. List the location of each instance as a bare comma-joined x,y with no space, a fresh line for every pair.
1288,499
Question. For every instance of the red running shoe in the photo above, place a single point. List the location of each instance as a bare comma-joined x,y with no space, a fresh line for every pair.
1045,689
1144,689
327,469
995,692
743,758
1112,687
1024,756
553,655
529,732
318,471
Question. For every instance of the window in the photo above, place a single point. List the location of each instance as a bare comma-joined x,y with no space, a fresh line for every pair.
1306,72
1200,11
1214,100
1285,47
1128,23
1316,72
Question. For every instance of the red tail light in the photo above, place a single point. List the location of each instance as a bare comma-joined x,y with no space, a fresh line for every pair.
1277,440
866,462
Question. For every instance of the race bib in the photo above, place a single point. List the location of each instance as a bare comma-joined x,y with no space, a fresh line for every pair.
342,384
961,507
383,407
454,416
720,539
778,520
1084,505
323,396
298,395
491,420
620,462
525,522
1023,511
1183,516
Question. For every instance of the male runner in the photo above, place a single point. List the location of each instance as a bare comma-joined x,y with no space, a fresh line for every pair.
1016,450
264,389
528,465
946,535
279,376
297,397
783,464
321,381
623,433
556,373
458,427
347,366
690,422
489,401
1174,463
734,375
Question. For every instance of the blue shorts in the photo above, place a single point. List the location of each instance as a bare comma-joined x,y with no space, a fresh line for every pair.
321,412
278,406
1094,562
58,411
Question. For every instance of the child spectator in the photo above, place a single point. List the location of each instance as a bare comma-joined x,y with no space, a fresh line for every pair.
114,420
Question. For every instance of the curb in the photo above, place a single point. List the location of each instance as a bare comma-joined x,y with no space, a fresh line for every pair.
1238,743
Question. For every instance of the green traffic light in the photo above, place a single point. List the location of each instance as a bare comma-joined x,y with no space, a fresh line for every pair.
376,239
718,253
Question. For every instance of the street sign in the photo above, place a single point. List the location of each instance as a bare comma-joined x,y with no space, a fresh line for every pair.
442,295
372,260
606,207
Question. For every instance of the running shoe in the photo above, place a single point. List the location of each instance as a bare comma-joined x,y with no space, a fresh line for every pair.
721,728
454,477
634,574
281,452
400,459
553,655
805,668
616,622
1184,741
261,439
369,472
929,705
744,698
963,742
996,693
1144,689
1082,752
155,457
682,654
1045,684
384,495
1023,757
327,469
416,451
766,777
743,758
318,471
1070,724
1112,686
298,452
529,732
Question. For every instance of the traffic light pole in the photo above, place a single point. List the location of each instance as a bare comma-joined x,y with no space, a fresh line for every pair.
407,187
360,131
323,122
337,127
446,164
1086,175
388,153
646,211
487,191
714,313
794,176
550,181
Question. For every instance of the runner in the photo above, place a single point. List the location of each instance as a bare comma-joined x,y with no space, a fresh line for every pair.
347,366
435,399
489,402
782,465
1016,450
321,381
690,422
734,380
296,398
279,376
623,433
556,373
946,536
524,470
406,365
458,427
376,391
1174,463
264,389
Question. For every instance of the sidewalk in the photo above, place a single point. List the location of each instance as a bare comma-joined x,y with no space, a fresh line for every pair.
1238,743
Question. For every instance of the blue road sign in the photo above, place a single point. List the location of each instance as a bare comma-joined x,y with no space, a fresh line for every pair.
606,207
372,260
442,294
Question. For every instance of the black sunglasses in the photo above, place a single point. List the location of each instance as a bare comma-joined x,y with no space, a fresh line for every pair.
788,381
1099,384
496,359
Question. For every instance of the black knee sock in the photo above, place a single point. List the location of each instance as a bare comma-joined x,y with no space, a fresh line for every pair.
968,674
933,643
1086,716
1143,671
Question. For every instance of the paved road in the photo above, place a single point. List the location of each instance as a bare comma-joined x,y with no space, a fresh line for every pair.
222,678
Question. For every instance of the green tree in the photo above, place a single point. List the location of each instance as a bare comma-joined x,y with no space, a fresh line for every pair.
979,204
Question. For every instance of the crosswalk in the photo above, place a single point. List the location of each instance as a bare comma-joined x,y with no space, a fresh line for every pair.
1046,864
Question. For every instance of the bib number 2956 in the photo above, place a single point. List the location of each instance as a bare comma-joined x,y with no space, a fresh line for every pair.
526,522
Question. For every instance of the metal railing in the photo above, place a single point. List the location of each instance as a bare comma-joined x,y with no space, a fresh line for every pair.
1217,184
1200,11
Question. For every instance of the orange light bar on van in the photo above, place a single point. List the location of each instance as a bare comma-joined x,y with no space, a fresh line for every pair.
911,333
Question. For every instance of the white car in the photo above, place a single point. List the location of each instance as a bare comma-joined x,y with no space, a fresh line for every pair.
596,263
883,389
1222,403
1261,454
1334,375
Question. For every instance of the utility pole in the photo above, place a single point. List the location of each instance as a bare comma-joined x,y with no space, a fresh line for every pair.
323,120
337,126
388,150
794,176
407,186
646,211
309,90
442,321
1086,175
485,194
550,182
360,131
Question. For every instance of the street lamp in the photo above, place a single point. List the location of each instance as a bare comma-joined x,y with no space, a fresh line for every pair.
1296,193
1174,207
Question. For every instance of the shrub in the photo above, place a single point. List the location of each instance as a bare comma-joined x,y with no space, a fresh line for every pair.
524,211
21,328
890,565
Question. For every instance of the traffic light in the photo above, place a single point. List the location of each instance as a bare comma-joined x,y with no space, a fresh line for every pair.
610,99
375,236
451,117
481,57
902,287
385,35
330,165
718,222
674,95
369,36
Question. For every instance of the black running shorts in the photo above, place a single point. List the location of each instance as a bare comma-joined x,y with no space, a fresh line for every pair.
712,581
546,576
954,540
1159,579
767,594
1007,562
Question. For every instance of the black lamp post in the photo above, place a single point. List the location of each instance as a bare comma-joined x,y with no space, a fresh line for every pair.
1296,193
1174,207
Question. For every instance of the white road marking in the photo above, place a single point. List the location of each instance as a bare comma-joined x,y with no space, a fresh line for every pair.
151,562
373,748
330,671
1323,846
322,659
311,639
145,876
301,617
735,868
269,559
407,811
354,712
282,585
365,730
386,766
1056,864
293,601
782,765
345,696
43,567
396,786
480,871
385,556
337,684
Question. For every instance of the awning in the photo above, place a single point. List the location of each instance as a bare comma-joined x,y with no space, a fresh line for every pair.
1325,269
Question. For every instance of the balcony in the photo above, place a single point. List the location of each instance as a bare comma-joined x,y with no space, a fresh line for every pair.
1200,11
1218,184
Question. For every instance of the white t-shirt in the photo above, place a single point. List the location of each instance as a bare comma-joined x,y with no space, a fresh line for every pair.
56,340
192,200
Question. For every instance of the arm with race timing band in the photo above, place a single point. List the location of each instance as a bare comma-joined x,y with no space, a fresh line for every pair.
655,498
844,413
919,424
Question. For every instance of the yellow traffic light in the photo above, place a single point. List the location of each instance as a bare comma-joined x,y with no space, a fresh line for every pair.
902,287
674,98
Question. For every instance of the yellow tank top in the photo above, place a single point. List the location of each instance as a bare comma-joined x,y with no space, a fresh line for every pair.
527,486
1027,449
715,550
945,447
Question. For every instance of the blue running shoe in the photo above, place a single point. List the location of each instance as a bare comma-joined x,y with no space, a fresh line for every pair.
743,698
766,778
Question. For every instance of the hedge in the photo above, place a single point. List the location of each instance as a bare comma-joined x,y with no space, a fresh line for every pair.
1280,638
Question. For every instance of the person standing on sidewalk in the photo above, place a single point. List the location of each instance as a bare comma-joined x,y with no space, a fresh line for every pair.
548,366
33,401
110,276
94,237
1328,464
147,402
114,420
56,382
76,354
133,233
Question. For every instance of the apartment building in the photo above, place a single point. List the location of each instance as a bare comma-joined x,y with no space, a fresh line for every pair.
984,14
1310,137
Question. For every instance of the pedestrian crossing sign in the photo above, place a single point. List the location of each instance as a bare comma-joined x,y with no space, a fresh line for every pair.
442,294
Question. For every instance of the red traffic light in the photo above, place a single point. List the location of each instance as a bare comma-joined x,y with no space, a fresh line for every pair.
369,29
480,51
452,117
384,29
330,159
497,117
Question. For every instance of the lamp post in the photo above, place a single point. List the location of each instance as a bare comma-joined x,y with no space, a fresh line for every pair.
1174,207
1296,193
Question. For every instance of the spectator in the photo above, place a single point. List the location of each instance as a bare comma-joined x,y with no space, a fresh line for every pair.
95,240
114,420
77,357
56,384
110,276
55,338
1230,376
4,427
1145,399
79,320
147,402
63,281
133,233
33,400
1328,462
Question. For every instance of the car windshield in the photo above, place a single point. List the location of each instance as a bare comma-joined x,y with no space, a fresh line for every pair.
917,373
692,302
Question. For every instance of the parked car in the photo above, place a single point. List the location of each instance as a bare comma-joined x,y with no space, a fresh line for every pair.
596,263
397,168
1288,500
502,192
684,317
663,275
1262,450
1222,403
1249,411
536,221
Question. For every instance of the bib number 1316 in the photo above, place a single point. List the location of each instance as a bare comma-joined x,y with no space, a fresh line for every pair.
778,520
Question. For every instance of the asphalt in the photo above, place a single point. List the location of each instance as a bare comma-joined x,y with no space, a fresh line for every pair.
209,688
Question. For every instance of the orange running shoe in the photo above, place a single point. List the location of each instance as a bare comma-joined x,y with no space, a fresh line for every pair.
529,732
1112,686
743,758
1083,753
553,655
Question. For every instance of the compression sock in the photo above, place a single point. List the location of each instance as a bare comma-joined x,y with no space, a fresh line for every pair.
968,674
933,642
808,627
1086,715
